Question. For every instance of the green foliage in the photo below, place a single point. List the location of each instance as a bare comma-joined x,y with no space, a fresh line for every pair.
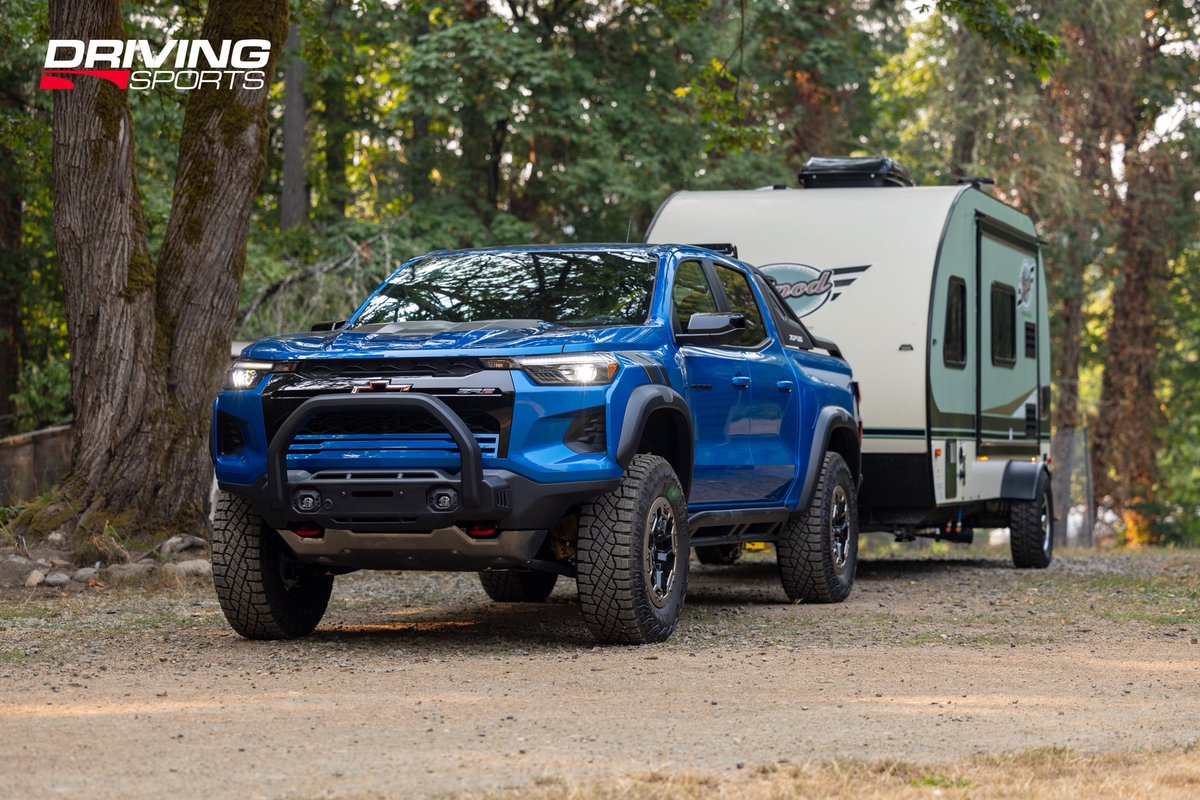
43,398
996,23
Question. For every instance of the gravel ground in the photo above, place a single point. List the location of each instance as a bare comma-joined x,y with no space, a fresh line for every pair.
416,685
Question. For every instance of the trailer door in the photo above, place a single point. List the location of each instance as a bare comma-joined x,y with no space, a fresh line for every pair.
1007,389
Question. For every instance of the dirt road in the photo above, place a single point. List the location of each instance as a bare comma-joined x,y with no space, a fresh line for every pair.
415,685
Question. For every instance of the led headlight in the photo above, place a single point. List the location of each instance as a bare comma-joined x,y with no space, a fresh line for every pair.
579,369
244,375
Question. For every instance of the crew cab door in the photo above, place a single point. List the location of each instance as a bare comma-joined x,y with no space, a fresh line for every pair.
717,379
771,402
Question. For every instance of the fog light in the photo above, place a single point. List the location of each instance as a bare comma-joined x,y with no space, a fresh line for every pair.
443,499
307,501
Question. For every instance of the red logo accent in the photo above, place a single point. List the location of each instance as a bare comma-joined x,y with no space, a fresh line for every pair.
117,77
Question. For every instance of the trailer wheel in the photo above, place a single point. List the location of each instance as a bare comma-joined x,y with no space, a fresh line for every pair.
518,585
632,557
818,550
720,554
1031,528
264,590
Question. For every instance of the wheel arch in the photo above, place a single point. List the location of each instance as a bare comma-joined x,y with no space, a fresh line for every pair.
836,431
657,421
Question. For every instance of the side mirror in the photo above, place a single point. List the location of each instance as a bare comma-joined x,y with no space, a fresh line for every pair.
329,326
713,330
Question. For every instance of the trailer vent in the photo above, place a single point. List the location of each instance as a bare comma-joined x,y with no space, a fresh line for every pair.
841,173
1031,420
1030,340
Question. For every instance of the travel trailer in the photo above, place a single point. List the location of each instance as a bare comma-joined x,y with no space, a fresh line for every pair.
936,296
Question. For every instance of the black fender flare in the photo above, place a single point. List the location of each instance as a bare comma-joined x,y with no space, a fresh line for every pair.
1020,481
830,419
644,401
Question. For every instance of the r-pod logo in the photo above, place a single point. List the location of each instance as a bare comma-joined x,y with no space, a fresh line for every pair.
806,288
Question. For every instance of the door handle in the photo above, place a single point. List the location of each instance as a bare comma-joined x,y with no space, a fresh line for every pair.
785,386
740,381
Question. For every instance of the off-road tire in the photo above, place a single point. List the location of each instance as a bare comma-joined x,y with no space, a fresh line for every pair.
812,568
615,595
1030,534
720,554
518,585
264,591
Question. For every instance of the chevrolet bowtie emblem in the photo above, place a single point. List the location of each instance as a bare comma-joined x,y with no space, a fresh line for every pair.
379,386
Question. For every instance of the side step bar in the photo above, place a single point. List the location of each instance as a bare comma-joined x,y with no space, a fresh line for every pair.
737,524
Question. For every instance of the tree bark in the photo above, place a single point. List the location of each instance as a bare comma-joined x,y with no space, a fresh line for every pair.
293,201
149,345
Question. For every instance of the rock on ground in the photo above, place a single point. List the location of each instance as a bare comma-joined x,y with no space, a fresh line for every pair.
14,570
193,568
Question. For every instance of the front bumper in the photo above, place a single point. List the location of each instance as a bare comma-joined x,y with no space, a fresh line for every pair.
396,501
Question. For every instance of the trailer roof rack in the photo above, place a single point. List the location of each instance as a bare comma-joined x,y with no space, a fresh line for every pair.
841,173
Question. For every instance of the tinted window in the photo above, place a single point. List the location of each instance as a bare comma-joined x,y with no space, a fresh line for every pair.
791,331
562,288
692,294
1004,325
954,343
742,301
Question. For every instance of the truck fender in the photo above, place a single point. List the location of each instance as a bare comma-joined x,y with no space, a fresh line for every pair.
1020,481
830,419
644,401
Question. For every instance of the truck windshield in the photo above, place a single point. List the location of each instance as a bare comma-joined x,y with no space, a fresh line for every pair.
583,288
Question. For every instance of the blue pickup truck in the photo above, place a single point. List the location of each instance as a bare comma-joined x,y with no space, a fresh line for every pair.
582,411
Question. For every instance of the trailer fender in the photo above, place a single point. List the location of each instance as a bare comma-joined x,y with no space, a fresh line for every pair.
1020,481
830,419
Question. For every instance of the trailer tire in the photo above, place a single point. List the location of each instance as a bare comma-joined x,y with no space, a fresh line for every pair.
1031,527
518,585
264,590
720,554
818,549
632,557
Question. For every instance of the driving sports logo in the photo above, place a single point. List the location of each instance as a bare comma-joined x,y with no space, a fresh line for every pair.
141,65
806,288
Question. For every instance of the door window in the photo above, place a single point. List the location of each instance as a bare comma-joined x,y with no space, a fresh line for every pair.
742,301
691,295
954,343
1004,325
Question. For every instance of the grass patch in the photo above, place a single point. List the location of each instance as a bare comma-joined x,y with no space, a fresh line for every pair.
1046,773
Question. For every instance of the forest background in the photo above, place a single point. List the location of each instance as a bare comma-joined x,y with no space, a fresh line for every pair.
396,128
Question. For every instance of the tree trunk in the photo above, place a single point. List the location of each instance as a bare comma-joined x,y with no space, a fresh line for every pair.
293,201
12,235
337,131
1128,433
148,346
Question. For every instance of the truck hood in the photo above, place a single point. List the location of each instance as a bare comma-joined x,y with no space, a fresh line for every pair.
547,340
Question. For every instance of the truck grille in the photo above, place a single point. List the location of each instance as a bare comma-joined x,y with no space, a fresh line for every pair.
488,417
392,368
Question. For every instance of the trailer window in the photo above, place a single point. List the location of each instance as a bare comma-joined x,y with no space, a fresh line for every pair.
954,343
742,301
1004,325
691,295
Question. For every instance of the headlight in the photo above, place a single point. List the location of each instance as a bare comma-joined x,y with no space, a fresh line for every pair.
244,375
578,369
